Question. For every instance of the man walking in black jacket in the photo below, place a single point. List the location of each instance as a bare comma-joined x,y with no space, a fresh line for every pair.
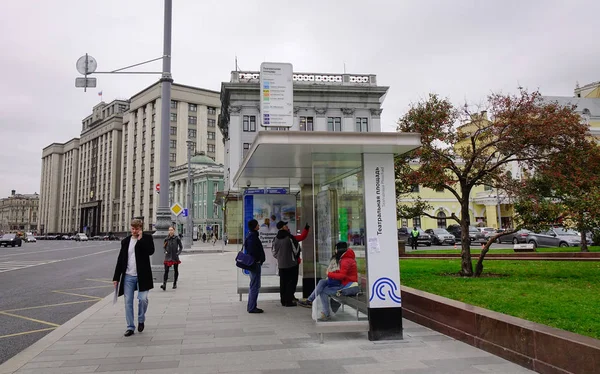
255,249
133,272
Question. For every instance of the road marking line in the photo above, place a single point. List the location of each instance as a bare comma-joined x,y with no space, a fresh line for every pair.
61,260
49,250
48,306
76,294
84,288
101,280
30,319
27,332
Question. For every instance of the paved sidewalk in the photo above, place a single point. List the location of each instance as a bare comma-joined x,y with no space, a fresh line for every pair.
202,328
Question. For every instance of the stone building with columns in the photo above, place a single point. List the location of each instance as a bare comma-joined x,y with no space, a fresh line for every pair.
326,103
207,181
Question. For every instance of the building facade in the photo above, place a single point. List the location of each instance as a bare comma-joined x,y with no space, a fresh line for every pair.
207,181
193,113
322,102
98,182
19,212
59,188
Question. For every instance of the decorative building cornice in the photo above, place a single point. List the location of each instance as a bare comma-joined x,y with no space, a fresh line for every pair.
348,112
235,109
296,109
321,112
376,113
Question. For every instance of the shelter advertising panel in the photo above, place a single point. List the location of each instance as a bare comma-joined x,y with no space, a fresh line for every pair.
268,209
381,240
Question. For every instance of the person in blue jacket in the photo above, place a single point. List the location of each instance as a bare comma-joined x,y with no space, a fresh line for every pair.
255,249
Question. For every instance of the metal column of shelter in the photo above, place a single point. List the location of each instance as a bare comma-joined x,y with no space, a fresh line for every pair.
288,158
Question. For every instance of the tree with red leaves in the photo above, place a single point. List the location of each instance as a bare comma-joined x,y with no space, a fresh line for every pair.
523,130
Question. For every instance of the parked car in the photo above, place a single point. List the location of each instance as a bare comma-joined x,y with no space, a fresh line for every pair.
424,238
403,233
10,240
456,231
488,231
81,237
518,237
30,239
476,236
556,237
441,236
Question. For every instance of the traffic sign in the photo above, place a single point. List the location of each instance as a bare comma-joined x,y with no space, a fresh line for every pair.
158,187
185,212
176,209
85,82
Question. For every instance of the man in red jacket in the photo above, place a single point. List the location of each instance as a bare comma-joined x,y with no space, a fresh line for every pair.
347,273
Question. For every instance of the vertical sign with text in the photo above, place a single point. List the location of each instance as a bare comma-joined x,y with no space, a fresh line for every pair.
276,94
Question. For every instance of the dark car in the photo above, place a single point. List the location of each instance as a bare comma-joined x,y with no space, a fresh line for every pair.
441,236
10,240
424,238
456,231
515,238
403,234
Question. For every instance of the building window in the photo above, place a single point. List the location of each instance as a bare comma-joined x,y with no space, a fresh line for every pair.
192,146
191,133
172,143
211,135
172,157
334,124
362,124
249,123
441,220
173,117
414,188
211,148
306,124
192,120
173,104
193,107
487,188
246,148
212,110
416,221
210,122
173,130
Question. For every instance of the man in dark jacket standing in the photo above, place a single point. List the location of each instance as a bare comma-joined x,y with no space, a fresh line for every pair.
255,249
286,250
133,272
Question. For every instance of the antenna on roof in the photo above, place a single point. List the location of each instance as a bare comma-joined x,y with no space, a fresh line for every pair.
236,64
344,68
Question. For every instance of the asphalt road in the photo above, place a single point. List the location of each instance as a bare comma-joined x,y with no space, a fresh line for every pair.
47,283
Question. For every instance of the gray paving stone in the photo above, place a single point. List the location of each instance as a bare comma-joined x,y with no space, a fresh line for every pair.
198,351
60,370
102,361
134,343
139,366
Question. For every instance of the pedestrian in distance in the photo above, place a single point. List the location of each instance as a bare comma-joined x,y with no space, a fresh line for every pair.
286,249
225,238
254,248
133,272
414,236
173,248
204,238
215,239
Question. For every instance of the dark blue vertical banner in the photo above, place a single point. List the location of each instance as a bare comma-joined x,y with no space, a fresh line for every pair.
248,212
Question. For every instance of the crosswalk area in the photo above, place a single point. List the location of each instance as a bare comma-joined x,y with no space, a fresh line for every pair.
17,264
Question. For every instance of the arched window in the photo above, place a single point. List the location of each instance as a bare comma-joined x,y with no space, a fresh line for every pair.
441,220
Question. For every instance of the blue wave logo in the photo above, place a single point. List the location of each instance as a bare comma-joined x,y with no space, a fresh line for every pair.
383,286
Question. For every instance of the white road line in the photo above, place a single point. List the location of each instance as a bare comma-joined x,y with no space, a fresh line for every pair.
50,250
16,265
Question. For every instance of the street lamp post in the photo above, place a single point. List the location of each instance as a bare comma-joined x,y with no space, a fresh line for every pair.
163,213
188,239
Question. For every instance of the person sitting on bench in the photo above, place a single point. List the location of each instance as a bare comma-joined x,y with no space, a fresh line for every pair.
347,273
333,266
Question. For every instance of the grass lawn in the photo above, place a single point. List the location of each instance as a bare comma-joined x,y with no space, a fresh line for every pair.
492,250
561,294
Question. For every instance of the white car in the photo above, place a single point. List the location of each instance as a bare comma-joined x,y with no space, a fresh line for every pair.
30,239
81,237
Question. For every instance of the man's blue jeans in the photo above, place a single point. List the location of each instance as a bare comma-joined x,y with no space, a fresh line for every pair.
324,296
254,287
131,285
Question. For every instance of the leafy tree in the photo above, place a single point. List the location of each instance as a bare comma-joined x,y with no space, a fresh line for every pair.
523,132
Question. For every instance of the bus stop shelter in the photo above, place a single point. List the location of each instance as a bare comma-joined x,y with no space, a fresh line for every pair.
343,184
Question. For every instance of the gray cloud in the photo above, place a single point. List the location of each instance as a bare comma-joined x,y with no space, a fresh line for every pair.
459,49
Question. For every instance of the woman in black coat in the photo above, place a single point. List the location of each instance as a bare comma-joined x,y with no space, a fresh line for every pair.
173,248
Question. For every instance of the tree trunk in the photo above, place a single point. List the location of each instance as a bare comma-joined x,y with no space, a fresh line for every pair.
479,265
584,246
466,265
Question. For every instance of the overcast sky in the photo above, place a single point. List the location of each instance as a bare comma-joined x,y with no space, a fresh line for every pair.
460,49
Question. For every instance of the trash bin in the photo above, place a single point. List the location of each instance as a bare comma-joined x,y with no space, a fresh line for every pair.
401,247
